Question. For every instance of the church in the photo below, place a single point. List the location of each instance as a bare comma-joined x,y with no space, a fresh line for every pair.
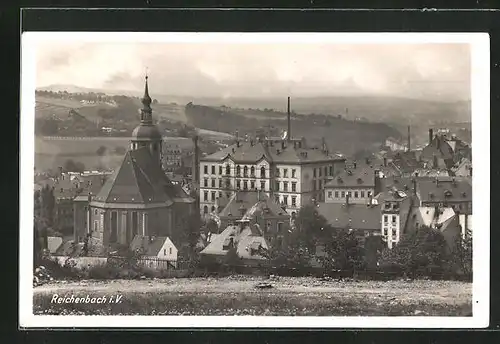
139,199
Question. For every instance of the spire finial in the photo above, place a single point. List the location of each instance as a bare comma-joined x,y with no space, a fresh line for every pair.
146,99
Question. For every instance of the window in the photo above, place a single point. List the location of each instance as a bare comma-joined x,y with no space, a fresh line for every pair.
393,218
245,171
205,182
213,195
220,169
164,251
336,194
385,231
362,194
294,201
238,170
238,184
262,185
285,200
96,226
369,193
114,227
252,185
205,195
342,194
356,194
277,172
220,194
220,183
228,170
213,169
285,186
293,173
386,219
331,170
294,186
245,185
135,223
213,183
205,169
329,194
170,250
252,171
314,173
205,210
277,186
349,193
277,198
285,172
326,171
394,234
263,172
319,172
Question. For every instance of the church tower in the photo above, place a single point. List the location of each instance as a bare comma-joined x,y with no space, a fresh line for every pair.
147,133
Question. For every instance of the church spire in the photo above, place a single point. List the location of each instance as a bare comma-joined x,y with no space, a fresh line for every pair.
146,111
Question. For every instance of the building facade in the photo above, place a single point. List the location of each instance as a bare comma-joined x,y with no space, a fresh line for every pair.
286,170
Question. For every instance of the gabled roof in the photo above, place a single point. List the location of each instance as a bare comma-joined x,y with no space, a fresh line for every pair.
150,245
245,240
140,180
252,152
252,203
355,216
361,176
439,218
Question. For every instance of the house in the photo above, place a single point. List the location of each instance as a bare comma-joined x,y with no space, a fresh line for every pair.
443,219
360,183
455,192
445,150
157,252
257,207
247,239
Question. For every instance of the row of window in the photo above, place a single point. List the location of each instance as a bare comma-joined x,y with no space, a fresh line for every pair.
342,194
386,219
326,171
285,186
317,184
283,172
214,195
393,233
285,200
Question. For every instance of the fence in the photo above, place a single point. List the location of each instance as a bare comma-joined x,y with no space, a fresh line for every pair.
157,263
81,262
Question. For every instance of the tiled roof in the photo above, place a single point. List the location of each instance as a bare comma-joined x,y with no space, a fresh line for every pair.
446,189
251,201
361,176
244,241
356,216
140,180
253,152
151,246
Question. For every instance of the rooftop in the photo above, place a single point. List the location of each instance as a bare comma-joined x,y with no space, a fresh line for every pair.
355,216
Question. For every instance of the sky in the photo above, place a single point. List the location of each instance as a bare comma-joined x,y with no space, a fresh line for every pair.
423,71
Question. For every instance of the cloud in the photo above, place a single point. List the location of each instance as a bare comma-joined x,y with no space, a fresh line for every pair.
417,70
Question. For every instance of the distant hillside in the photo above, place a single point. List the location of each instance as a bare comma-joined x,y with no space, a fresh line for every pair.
340,134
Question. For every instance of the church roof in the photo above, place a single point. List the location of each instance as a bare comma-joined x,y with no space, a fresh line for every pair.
140,180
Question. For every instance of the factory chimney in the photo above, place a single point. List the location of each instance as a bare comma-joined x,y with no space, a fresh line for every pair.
431,135
409,147
289,132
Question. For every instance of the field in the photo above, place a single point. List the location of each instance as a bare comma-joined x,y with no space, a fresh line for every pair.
238,295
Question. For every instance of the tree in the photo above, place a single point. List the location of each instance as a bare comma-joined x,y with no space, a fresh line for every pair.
101,151
73,166
343,251
462,254
312,223
420,253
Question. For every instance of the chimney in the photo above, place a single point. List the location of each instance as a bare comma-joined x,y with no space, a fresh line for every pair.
409,147
289,132
238,143
431,135
251,142
354,164
437,181
60,170
196,159
385,161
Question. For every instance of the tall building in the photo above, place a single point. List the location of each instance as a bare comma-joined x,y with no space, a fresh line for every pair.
286,169
139,199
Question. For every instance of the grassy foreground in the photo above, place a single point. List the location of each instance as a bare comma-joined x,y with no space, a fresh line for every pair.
238,295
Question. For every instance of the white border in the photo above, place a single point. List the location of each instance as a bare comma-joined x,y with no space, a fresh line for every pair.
480,89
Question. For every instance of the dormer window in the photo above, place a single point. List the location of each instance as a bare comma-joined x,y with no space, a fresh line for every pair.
360,181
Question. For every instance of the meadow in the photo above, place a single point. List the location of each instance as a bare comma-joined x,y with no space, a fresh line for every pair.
238,295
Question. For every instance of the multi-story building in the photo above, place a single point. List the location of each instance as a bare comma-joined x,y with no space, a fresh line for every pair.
359,183
286,170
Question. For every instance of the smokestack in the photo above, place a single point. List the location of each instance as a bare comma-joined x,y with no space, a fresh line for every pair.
195,160
431,135
385,161
289,132
409,147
